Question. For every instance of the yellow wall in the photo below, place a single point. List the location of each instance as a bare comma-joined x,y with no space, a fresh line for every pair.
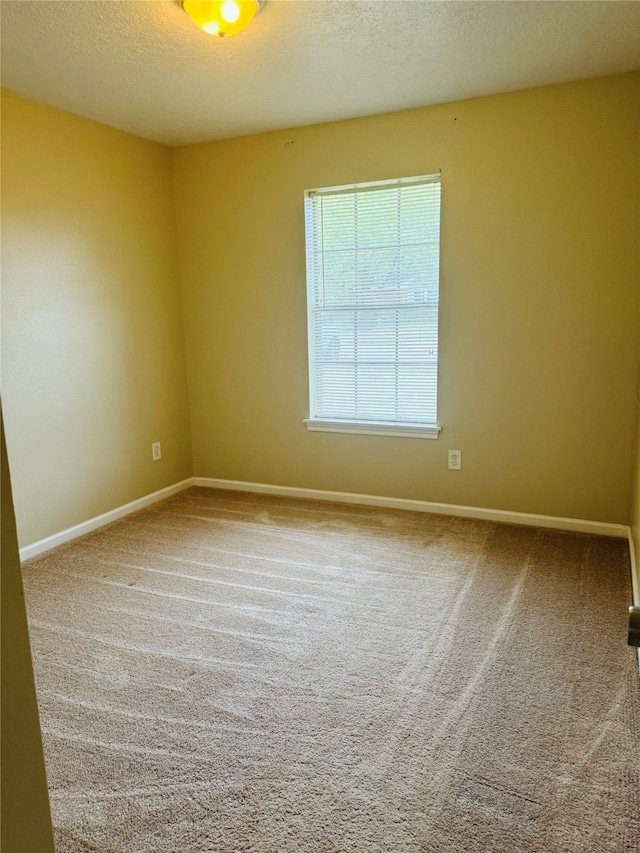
26,820
539,277
538,306
93,365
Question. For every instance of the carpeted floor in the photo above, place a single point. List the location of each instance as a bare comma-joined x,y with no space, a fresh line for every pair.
247,674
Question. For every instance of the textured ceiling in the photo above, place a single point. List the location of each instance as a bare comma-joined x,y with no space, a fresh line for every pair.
144,66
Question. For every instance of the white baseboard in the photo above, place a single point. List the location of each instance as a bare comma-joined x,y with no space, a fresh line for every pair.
529,519
100,520
577,525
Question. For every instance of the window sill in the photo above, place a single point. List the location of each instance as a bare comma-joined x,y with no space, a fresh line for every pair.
372,428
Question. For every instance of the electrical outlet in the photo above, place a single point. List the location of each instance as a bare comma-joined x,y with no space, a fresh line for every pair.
455,460
156,451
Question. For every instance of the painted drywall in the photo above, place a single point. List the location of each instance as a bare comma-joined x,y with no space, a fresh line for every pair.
539,299
26,819
93,363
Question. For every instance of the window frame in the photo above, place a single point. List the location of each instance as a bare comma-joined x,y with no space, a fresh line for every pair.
348,425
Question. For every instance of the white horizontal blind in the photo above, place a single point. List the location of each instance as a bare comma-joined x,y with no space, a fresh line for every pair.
372,286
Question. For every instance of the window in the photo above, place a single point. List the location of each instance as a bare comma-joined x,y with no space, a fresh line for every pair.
372,293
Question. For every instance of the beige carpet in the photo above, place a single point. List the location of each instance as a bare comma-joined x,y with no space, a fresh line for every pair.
244,674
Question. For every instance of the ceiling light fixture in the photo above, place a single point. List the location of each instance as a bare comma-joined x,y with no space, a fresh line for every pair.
222,17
